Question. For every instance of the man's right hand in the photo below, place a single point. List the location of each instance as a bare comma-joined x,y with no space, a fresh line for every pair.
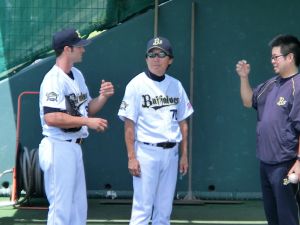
243,68
97,124
134,167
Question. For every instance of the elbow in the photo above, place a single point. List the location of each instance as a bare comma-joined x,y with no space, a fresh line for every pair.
51,119
247,104
49,122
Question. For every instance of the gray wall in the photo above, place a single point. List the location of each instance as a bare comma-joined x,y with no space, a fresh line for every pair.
224,163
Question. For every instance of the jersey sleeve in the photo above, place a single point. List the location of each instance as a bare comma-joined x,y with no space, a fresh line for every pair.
260,90
256,92
129,105
295,109
185,108
52,95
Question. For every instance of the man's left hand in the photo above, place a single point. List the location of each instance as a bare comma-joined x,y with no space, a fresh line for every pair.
106,89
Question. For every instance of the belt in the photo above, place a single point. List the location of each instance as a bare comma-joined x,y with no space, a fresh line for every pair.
77,141
162,144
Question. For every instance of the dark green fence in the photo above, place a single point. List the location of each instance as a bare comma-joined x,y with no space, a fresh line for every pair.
26,26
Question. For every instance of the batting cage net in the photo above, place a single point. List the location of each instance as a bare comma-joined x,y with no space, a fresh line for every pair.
27,25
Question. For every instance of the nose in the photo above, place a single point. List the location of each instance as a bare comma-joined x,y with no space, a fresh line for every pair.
156,58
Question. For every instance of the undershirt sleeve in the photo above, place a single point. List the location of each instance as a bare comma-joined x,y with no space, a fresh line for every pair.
51,110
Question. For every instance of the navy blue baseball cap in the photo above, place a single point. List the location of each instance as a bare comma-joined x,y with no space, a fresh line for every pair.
160,43
68,37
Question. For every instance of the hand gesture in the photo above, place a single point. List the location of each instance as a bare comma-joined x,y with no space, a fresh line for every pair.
97,124
106,89
243,68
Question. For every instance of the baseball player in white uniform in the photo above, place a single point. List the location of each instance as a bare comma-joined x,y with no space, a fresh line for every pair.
65,105
154,108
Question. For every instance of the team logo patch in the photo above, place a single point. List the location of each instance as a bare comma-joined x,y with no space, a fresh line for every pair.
158,101
52,96
281,101
123,105
157,41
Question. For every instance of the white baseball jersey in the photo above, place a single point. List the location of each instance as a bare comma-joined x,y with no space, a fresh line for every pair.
59,91
155,108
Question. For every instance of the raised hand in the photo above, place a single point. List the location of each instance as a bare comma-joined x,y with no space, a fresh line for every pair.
106,89
243,68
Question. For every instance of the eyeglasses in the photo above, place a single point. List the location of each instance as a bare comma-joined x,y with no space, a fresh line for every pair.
275,57
159,54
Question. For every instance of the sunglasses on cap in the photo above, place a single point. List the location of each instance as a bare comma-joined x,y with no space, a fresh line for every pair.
158,54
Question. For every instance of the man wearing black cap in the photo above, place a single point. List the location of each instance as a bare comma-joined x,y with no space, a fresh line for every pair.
154,108
65,107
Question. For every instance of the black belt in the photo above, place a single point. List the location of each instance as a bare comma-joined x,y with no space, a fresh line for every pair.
162,144
78,141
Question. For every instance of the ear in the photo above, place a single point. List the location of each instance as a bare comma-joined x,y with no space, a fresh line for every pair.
291,57
68,49
170,61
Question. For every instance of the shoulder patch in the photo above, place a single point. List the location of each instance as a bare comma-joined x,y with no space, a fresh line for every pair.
123,105
52,96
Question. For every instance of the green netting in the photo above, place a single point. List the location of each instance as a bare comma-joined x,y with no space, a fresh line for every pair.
27,25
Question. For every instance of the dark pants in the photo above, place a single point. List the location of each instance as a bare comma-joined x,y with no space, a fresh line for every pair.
280,201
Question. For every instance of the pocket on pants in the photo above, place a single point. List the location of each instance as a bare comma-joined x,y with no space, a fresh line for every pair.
45,154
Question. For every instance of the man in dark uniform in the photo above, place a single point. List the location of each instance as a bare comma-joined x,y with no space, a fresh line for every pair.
277,102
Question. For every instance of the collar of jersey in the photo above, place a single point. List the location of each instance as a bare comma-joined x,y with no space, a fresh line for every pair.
154,77
70,74
282,80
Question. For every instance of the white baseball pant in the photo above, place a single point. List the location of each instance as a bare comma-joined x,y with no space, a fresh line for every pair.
155,188
64,179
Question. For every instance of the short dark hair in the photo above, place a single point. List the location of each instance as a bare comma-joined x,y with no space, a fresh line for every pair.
59,51
288,44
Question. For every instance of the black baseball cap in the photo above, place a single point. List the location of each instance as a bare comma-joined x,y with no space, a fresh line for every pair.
68,37
161,43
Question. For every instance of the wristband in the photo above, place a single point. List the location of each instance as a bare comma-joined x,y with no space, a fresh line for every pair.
298,157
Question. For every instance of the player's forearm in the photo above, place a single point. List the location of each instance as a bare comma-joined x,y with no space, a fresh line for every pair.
96,104
246,92
184,142
63,120
129,138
